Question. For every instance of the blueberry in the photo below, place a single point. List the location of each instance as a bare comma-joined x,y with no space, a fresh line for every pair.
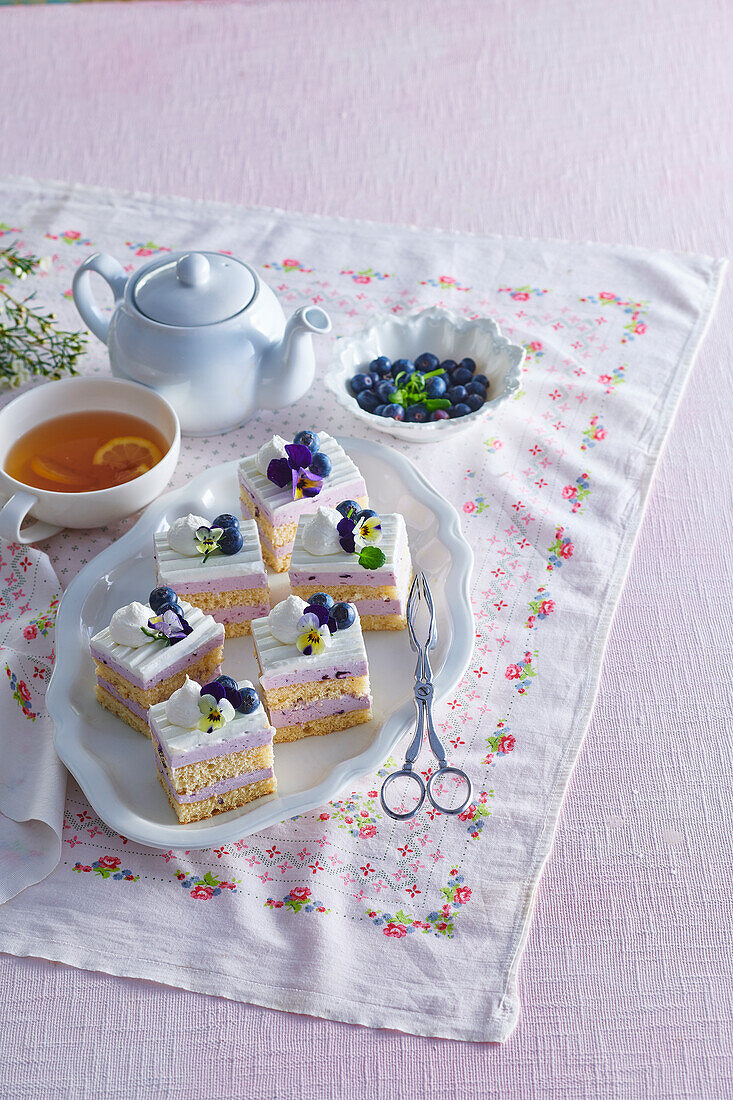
381,410
367,400
475,401
308,439
457,393
461,409
384,390
435,387
439,414
476,387
448,365
427,361
416,414
162,595
361,382
381,365
228,683
344,615
482,379
397,412
169,605
225,520
468,363
323,597
347,508
231,541
250,701
461,376
365,513
405,365
321,464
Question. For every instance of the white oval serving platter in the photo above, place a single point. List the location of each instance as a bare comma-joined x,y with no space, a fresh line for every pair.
114,764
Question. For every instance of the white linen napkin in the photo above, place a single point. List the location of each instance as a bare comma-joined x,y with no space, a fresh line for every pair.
32,778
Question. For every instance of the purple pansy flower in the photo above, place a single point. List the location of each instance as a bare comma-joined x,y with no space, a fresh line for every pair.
294,470
169,627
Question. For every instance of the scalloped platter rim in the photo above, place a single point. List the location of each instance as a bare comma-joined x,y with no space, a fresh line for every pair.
114,764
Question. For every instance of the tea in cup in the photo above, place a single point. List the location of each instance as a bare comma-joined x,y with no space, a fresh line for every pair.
83,453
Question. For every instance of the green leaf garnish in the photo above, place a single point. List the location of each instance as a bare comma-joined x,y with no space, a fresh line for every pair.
371,557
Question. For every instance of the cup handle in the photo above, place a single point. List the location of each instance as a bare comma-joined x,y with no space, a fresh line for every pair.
12,514
113,274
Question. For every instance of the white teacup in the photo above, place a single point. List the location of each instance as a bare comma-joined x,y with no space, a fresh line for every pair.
54,511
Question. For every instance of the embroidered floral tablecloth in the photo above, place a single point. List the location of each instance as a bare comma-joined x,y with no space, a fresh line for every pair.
344,913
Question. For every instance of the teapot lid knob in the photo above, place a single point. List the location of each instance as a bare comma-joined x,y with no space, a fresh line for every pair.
193,269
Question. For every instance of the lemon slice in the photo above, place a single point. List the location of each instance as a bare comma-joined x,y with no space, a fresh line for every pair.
129,453
54,471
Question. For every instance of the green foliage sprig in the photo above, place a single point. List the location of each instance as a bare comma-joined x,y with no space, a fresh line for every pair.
411,391
30,343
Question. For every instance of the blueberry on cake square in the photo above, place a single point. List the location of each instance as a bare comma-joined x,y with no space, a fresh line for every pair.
213,747
313,667
217,565
284,481
355,555
147,651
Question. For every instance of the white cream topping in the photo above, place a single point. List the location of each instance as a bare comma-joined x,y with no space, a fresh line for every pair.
284,618
125,626
320,536
274,448
182,709
182,535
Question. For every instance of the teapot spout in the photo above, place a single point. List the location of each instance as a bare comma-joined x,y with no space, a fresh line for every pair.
289,367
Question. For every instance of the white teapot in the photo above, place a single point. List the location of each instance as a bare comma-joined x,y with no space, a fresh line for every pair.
203,330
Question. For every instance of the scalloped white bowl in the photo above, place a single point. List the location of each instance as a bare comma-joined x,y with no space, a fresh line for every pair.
446,335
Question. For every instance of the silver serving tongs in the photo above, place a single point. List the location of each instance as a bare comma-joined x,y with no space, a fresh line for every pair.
423,692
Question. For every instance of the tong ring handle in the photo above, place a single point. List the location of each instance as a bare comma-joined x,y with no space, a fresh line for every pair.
447,770
405,773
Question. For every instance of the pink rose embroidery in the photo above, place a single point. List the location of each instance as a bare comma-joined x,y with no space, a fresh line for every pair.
600,433
641,328
109,861
462,894
606,296
547,607
300,893
362,279
506,743
367,830
24,690
397,931
566,550
520,296
30,632
513,672
569,492
469,507
202,893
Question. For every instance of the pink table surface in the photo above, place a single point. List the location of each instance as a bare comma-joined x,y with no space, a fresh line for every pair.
579,121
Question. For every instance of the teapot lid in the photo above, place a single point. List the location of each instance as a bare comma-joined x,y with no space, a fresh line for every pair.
194,288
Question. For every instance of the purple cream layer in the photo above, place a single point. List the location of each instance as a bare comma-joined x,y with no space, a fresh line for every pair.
136,708
225,748
223,584
321,708
381,607
241,614
363,577
303,676
169,670
222,787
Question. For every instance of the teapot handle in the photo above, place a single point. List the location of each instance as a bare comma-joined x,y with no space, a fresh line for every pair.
112,273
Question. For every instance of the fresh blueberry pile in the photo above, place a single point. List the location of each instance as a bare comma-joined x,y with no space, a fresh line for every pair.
425,389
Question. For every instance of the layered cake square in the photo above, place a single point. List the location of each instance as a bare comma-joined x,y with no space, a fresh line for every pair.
285,481
216,565
147,651
213,747
314,675
355,556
